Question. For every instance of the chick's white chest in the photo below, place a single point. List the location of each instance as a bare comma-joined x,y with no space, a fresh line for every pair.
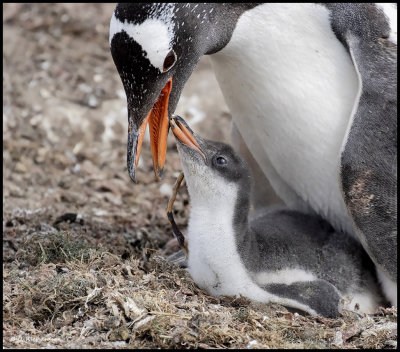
214,262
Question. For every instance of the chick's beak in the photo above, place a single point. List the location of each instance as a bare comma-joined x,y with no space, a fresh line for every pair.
184,134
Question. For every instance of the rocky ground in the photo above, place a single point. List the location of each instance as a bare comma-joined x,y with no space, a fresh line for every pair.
83,247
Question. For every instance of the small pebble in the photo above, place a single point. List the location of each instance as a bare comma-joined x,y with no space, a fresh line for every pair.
93,101
45,65
97,78
85,88
391,343
44,93
21,168
64,18
166,190
338,339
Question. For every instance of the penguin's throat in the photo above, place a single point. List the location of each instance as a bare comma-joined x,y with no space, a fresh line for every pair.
207,190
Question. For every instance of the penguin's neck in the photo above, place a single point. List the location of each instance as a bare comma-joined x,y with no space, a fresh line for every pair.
216,220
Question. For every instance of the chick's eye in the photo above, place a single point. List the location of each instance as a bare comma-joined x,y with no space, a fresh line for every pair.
169,60
221,160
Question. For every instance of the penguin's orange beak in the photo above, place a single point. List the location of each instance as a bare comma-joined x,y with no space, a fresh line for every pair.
157,118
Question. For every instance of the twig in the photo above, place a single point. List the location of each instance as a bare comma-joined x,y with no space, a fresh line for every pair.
171,315
43,253
177,233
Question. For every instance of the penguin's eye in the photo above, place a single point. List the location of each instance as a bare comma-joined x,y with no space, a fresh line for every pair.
221,161
169,61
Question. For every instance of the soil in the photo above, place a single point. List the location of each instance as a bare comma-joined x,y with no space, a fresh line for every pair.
84,248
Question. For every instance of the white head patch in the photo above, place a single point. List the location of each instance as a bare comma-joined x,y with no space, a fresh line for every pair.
154,35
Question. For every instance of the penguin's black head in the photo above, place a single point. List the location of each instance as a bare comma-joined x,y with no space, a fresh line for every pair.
155,48
212,169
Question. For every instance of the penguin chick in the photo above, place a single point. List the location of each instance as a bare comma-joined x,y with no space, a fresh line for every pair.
282,256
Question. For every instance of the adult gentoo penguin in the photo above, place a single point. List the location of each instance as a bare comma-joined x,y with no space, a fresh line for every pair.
312,92
283,256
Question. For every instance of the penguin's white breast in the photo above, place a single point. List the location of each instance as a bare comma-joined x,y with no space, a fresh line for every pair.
291,87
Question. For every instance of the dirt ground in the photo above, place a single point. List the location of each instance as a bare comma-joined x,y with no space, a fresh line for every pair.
83,247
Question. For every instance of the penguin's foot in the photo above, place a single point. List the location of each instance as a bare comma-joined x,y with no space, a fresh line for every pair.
179,258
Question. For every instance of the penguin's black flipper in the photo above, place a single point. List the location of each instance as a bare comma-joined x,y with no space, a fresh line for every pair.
368,171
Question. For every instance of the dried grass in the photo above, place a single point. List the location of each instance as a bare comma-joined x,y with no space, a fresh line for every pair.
106,301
